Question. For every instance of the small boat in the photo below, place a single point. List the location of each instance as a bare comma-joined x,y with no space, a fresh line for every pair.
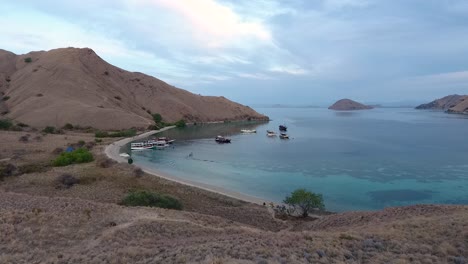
271,133
168,140
142,146
284,136
221,139
248,131
124,155
283,128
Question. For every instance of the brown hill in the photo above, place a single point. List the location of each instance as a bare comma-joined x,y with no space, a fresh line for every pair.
452,103
347,104
76,86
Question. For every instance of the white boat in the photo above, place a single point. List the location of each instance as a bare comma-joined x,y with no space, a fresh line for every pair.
124,155
248,131
160,144
284,136
168,140
141,146
271,133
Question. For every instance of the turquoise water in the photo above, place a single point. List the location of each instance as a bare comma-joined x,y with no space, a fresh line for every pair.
358,160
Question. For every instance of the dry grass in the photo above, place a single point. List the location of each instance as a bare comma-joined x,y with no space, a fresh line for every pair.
83,224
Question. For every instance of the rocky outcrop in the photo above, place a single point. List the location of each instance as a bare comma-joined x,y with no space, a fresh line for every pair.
348,105
76,86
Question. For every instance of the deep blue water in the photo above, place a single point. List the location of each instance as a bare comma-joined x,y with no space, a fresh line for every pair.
357,160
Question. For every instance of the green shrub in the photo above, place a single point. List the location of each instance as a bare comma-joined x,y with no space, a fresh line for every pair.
302,201
123,133
157,118
151,199
77,156
49,130
98,140
180,123
28,60
5,124
6,98
68,126
101,134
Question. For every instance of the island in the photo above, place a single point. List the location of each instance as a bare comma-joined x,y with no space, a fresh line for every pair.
455,103
348,105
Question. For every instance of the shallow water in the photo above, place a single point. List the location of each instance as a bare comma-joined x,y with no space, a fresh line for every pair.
357,160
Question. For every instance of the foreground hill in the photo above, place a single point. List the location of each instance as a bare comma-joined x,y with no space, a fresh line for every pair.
347,104
451,103
76,86
44,221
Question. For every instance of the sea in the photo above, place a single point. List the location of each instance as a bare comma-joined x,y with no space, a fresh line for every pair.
358,160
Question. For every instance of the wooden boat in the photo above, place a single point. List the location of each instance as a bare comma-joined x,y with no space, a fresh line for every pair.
221,139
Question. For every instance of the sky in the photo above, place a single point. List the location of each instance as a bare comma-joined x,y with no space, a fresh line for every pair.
307,52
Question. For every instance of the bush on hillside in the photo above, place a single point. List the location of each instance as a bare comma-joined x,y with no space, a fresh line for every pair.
6,98
302,202
181,123
28,60
151,199
157,118
67,180
76,156
5,124
68,126
49,130
123,133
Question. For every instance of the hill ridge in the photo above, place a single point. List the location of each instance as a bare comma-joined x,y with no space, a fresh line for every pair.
70,85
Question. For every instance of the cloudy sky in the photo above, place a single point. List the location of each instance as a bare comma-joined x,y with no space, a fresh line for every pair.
261,52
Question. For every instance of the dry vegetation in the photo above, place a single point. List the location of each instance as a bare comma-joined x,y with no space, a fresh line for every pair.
42,221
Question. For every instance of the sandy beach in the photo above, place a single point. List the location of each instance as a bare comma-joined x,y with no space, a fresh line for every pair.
113,152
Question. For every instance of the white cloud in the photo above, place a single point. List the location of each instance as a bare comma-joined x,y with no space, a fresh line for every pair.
213,24
288,69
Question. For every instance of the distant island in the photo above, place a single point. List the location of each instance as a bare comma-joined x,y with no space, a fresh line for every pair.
348,105
455,103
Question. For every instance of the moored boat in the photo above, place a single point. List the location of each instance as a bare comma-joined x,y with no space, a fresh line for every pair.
168,140
283,128
248,131
271,133
221,139
142,146
284,136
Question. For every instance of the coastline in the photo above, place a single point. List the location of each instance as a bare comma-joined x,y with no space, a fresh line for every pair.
112,151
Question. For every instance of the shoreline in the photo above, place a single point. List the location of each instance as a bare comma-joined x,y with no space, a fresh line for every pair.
112,151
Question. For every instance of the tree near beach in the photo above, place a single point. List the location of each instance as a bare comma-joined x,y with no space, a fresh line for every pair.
302,202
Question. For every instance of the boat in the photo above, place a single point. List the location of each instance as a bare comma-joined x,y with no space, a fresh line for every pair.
158,144
124,155
271,133
283,128
221,139
248,131
142,146
168,140
284,136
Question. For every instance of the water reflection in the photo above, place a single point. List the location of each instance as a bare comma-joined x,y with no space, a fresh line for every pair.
346,113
